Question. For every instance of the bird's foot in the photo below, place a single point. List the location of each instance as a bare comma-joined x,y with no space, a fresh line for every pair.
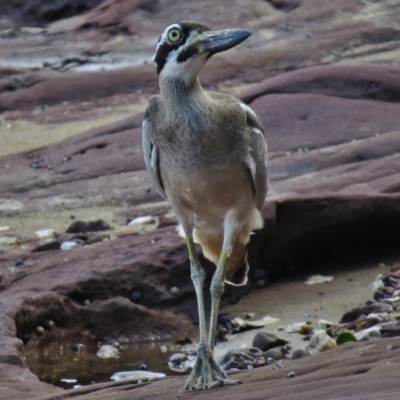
207,373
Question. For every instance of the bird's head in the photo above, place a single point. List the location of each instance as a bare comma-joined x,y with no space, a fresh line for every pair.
183,48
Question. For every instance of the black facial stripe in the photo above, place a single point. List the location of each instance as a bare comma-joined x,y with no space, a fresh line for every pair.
162,54
186,54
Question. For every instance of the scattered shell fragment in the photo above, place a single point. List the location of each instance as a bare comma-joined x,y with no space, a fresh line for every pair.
68,380
312,280
4,228
324,324
320,341
136,375
304,327
242,358
9,240
143,224
291,374
45,233
367,334
68,245
32,30
107,351
181,362
377,284
240,324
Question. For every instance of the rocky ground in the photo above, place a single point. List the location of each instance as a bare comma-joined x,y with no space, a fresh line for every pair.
74,81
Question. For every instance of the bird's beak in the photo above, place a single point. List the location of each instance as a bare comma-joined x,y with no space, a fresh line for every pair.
216,41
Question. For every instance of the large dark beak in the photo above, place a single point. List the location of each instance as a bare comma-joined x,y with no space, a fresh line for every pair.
216,41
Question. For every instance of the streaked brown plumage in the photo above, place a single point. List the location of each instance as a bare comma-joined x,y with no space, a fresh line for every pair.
206,154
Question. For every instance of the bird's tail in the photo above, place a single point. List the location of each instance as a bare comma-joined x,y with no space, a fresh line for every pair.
237,267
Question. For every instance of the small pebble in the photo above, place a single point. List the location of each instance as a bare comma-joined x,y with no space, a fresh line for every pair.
49,166
299,354
163,349
389,347
86,302
39,330
174,290
78,347
261,283
143,367
291,374
19,263
235,299
25,337
48,324
34,165
65,159
136,296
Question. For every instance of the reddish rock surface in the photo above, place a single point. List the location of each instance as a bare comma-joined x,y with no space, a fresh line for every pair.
324,78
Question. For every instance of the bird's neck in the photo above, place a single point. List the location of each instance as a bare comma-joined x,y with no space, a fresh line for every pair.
185,102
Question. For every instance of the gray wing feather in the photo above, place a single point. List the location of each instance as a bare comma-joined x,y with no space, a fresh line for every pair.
150,152
258,154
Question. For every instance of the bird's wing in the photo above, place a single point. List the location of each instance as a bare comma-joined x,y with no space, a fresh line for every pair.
258,157
151,155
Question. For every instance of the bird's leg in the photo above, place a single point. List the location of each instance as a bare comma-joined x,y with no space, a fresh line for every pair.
231,228
206,369
217,290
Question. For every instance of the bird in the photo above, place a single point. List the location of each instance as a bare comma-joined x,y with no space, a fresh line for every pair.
206,154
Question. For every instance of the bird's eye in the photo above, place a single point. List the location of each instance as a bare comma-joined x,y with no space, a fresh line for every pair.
174,35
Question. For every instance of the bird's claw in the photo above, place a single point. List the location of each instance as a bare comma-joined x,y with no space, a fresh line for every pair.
207,373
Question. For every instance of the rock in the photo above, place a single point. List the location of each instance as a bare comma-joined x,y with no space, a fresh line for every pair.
91,226
299,353
265,341
275,354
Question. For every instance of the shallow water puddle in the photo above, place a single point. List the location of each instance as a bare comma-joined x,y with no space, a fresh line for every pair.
68,365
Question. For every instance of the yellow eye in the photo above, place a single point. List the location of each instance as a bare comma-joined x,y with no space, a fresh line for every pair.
174,35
